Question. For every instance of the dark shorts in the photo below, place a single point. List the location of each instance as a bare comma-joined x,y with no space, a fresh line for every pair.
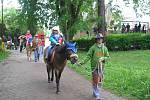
97,75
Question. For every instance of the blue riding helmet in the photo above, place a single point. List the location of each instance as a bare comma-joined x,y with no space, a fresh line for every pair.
71,46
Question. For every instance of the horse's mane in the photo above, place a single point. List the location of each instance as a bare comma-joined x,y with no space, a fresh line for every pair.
60,49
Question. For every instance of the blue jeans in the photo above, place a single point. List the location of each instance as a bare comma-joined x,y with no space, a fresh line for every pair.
96,91
48,51
39,47
36,54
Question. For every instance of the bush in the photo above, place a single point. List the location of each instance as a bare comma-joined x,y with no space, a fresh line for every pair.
0,44
121,42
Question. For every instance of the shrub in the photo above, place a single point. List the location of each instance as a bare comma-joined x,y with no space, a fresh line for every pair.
0,44
121,42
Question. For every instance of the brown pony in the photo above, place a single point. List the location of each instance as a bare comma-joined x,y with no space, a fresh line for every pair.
29,51
58,60
30,48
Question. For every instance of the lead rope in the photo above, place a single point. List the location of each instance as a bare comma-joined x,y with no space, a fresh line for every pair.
100,71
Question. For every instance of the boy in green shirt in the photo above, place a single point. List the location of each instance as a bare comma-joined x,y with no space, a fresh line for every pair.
97,54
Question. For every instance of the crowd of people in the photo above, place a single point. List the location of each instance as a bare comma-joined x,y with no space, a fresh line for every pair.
36,42
9,42
137,28
21,41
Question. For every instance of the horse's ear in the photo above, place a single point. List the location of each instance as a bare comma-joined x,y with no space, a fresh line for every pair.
74,43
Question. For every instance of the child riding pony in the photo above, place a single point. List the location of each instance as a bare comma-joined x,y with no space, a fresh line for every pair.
28,37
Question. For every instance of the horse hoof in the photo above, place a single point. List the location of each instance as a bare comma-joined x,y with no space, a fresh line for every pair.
57,92
49,81
52,80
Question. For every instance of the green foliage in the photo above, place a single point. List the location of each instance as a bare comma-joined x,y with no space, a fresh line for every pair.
126,73
34,14
128,41
140,6
0,43
66,14
120,42
11,20
3,54
130,73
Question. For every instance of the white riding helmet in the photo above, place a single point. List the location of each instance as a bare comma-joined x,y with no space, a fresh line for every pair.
55,28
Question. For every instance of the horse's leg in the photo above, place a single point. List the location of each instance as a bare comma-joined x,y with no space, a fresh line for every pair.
57,80
27,54
48,72
52,78
30,51
58,75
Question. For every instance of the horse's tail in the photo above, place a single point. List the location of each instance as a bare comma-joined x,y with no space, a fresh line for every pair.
44,56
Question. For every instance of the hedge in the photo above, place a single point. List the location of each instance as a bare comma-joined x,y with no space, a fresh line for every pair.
119,42
0,44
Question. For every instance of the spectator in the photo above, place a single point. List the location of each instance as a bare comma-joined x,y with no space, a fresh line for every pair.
139,27
135,28
123,28
128,27
144,29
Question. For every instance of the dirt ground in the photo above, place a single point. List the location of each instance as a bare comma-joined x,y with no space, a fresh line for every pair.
24,80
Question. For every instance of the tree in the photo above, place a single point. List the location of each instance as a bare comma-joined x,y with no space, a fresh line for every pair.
101,15
34,13
66,13
140,6
10,20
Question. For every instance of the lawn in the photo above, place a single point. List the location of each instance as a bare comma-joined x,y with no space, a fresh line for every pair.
3,55
127,73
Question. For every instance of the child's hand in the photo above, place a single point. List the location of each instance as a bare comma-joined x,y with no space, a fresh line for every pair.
57,43
101,59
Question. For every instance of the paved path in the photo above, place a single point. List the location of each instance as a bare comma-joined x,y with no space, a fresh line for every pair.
23,80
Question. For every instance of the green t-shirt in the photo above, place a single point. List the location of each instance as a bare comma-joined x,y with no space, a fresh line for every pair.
96,52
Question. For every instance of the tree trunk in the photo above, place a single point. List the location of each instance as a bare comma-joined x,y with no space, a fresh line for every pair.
101,16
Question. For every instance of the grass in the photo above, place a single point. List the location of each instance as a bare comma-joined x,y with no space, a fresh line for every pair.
3,55
127,73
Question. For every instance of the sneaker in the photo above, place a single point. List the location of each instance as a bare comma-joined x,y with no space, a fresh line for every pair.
94,95
98,98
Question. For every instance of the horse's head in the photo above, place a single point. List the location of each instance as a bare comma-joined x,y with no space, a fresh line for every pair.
71,52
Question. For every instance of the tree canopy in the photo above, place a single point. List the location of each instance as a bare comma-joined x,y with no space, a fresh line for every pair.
70,15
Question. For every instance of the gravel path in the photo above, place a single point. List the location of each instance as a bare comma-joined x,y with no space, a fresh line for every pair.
23,80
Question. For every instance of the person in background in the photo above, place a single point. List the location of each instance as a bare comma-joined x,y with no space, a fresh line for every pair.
139,27
128,28
21,43
144,29
4,41
123,29
35,47
15,41
28,37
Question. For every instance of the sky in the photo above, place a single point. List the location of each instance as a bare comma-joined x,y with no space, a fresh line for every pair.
10,3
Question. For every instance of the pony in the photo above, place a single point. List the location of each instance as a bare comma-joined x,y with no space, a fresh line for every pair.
33,46
29,50
57,61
